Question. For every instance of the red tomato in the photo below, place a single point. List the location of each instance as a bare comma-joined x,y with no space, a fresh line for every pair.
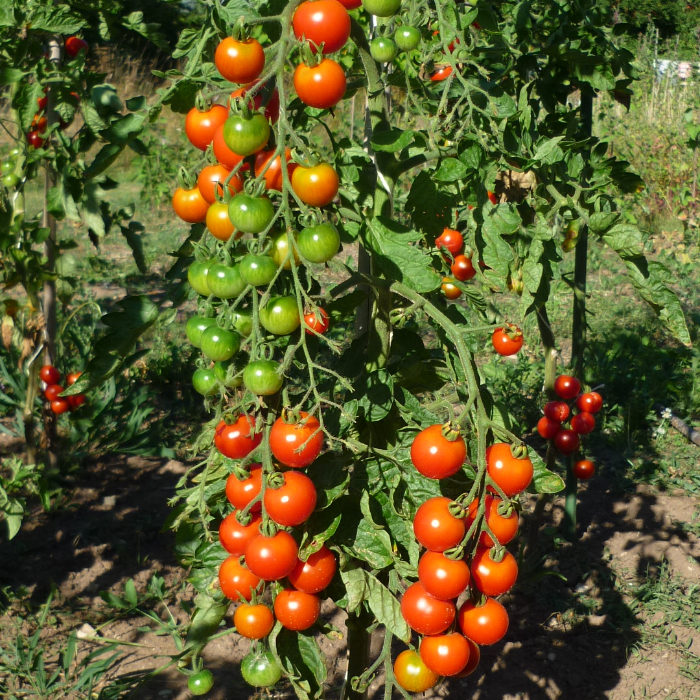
321,86
474,658
234,537
424,613
441,577
314,323
567,387
412,674
239,61
314,574
190,206
548,428
505,528
237,440
49,374
286,440
74,45
235,580
200,127
293,502
450,240
446,654
583,423
40,123
59,406
450,289
272,108
322,22
567,441
223,153
350,4
212,178
297,610
584,469
253,621
72,378
273,172
52,391
316,186
556,411
441,74
76,401
591,402
241,493
435,456
491,577
272,558
508,340
462,268
34,139
512,475
435,527
492,197
486,624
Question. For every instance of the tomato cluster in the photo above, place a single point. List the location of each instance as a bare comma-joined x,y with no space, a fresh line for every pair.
53,390
557,413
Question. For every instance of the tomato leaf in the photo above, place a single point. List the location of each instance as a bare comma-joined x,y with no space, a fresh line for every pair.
374,392
430,207
549,152
391,141
386,608
450,170
356,587
303,661
319,528
543,480
600,222
208,616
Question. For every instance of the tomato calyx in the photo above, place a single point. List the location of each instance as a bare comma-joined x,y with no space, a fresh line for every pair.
186,179
457,510
450,432
275,481
519,451
512,331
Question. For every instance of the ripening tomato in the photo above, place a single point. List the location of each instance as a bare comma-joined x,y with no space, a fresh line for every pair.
566,386
412,674
319,244
272,558
74,45
484,624
240,492
236,580
548,428
584,469
261,377
239,61
59,406
212,179
39,123
445,654
238,439
260,669
49,374
383,49
590,402
438,456
321,86
567,441
72,378
235,537
511,474
250,214
223,153
441,74
283,252
292,503
317,321
441,577
504,527
76,401
507,340
324,22
190,206
272,108
583,423
450,289
271,169
218,222
314,574
462,268
450,240
492,197
253,621
52,391
297,610
435,527
407,38
246,134
318,185
200,127
493,578
424,613
286,440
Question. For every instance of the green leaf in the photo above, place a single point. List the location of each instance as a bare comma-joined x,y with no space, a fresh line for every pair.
207,618
502,219
625,240
356,587
130,592
450,170
303,661
429,206
9,75
56,19
543,480
132,235
392,141
549,152
602,221
387,609
374,392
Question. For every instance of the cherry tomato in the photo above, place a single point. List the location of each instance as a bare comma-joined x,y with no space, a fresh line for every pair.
450,240
240,492
450,289
485,624
273,172
407,38
567,387
584,469
250,214
507,341
412,674
197,274
505,528
462,268
322,22
49,374
40,123
253,621
316,186
262,378
223,153
235,537
200,127
511,474
441,74
557,411
218,344
212,179
230,380
34,139
492,197
260,669
283,252
201,683
272,108
583,423
225,282
567,441
474,658
319,244
321,86
317,321
52,391
236,580
238,439
490,577
441,577
296,444
383,49
246,135
297,610
59,406
72,378
239,61
196,325
204,382
590,402
424,613
381,8
350,4
435,527
257,270
314,574
436,456
76,401
74,45
243,322
548,428
280,316
446,654
272,558
190,206
292,503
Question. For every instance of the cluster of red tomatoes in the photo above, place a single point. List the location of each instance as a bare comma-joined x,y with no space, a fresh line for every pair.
557,413
53,390
446,528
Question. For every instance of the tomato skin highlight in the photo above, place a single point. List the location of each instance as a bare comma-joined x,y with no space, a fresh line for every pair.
322,22
319,244
505,528
246,135
253,621
237,440
445,655
443,578
441,74
484,625
261,377
235,579
250,214
286,439
435,527
424,613
321,86
292,503
584,469
240,492
190,205
59,406
239,61
314,574
200,683
548,428
436,457
591,402
566,386
297,610
234,537
280,316
567,441
583,423
412,674
272,558
200,127
316,186
490,577
511,474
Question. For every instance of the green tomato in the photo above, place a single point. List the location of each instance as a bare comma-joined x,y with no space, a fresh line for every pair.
7,166
318,244
228,374
10,180
281,251
197,276
201,683
381,8
260,669
250,214
243,322
280,316
196,325
15,153
225,282
407,38
219,344
258,270
383,49
204,382
260,377
246,135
